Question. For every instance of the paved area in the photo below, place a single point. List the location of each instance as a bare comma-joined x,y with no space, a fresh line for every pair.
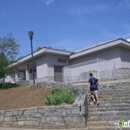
40,129
113,81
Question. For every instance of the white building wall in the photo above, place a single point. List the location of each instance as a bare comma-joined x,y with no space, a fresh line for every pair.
52,60
112,54
125,57
10,78
41,67
125,64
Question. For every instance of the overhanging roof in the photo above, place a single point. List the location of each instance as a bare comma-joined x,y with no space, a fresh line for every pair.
99,47
72,55
44,50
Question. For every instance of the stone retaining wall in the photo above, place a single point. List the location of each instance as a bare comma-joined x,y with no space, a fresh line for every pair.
44,79
23,82
64,116
49,117
123,73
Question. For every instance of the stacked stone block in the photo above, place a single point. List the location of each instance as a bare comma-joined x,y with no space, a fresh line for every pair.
49,117
61,116
123,73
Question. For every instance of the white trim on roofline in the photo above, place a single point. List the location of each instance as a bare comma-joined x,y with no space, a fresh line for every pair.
45,50
77,54
99,47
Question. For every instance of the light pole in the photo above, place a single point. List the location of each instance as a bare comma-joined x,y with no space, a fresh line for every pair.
30,33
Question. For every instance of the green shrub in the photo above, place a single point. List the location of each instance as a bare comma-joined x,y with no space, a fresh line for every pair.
8,85
59,96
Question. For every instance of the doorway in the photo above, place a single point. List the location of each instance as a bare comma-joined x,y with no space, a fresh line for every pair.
58,73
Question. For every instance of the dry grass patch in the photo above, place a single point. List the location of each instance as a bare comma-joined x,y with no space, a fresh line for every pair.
22,97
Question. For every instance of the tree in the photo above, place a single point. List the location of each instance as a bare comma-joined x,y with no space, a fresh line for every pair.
9,49
3,63
21,57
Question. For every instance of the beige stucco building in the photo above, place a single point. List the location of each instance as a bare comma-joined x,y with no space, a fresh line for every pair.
49,61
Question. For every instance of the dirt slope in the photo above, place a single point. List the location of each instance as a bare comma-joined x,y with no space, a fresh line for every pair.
21,97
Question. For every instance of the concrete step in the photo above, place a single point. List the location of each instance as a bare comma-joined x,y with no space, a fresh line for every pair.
113,94
108,113
102,109
109,105
102,123
113,87
109,90
113,91
123,93
104,128
108,117
116,88
114,101
114,98
114,105
109,98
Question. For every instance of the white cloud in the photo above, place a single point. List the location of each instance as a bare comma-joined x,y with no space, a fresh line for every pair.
124,4
113,35
70,44
90,9
80,10
49,1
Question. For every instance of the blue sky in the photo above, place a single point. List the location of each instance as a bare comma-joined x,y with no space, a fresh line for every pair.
64,24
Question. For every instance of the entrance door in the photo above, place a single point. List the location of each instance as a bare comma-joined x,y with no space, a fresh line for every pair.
58,73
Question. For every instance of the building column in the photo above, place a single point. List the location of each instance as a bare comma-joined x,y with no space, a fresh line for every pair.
98,70
27,73
16,75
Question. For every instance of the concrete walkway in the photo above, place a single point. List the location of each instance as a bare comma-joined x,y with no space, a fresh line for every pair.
113,81
40,129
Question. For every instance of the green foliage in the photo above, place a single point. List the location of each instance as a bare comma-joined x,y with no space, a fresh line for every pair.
59,96
3,63
8,51
21,57
8,85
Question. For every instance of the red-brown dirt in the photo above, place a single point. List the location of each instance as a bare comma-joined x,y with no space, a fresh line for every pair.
22,97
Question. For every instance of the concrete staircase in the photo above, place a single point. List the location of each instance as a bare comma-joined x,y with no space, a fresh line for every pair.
114,105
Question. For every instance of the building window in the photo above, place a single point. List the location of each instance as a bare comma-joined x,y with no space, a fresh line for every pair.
61,60
21,75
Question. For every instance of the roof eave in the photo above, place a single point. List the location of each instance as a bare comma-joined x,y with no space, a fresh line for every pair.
100,47
39,53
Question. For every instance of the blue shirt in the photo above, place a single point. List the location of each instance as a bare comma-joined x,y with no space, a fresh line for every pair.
93,83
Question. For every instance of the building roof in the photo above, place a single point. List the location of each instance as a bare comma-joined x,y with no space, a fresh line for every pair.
72,55
100,46
41,50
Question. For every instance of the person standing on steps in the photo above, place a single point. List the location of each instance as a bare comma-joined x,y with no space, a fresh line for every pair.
93,86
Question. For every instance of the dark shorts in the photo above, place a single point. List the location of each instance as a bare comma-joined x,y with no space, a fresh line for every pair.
93,88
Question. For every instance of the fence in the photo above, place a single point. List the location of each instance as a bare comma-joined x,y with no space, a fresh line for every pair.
101,69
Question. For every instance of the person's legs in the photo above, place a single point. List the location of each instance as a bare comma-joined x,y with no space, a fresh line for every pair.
93,97
97,97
